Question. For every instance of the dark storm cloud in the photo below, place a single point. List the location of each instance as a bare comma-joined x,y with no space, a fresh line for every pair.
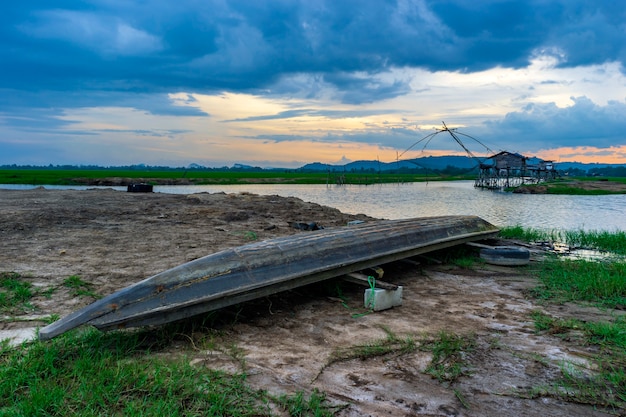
241,45
358,90
157,104
548,126
400,138
65,54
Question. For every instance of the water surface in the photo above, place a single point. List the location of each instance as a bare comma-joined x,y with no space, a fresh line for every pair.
396,201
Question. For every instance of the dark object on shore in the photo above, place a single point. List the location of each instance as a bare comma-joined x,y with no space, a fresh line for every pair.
306,226
505,255
263,268
139,188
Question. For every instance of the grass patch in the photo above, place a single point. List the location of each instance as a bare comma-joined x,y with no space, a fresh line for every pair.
609,178
527,234
607,385
15,293
250,235
449,352
465,262
600,283
301,405
97,374
79,287
614,242
461,255
119,373
381,347
607,388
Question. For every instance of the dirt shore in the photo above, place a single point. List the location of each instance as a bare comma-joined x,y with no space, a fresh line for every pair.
112,239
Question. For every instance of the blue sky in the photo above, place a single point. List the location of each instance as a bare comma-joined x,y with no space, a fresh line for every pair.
287,82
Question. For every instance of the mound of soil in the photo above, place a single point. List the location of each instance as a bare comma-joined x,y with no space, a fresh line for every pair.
111,239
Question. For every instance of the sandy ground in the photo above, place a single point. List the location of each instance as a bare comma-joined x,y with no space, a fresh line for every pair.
285,342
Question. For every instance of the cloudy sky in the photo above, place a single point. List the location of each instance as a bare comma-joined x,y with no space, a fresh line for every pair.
287,82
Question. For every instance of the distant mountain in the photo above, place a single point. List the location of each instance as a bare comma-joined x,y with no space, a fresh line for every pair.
195,166
429,162
441,162
316,166
244,167
585,167
437,163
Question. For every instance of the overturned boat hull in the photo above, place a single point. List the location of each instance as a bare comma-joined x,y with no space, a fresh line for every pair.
263,268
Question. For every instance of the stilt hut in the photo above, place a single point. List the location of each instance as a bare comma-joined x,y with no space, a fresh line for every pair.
509,169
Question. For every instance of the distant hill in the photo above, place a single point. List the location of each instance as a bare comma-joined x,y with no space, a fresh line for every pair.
585,167
439,163
435,163
429,162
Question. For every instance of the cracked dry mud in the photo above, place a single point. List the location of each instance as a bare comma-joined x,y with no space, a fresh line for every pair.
112,239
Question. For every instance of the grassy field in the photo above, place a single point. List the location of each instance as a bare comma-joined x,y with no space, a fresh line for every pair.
616,179
200,177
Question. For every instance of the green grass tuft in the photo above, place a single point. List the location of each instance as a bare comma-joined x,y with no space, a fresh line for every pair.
14,292
79,287
602,240
601,283
449,352
607,385
299,405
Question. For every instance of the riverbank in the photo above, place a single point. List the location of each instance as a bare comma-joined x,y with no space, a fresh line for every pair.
72,246
575,187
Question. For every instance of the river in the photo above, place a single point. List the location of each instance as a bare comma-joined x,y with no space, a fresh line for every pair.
396,201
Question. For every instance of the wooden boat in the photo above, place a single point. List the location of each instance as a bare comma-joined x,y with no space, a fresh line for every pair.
263,268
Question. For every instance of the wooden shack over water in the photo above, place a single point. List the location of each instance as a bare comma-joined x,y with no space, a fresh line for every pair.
509,169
